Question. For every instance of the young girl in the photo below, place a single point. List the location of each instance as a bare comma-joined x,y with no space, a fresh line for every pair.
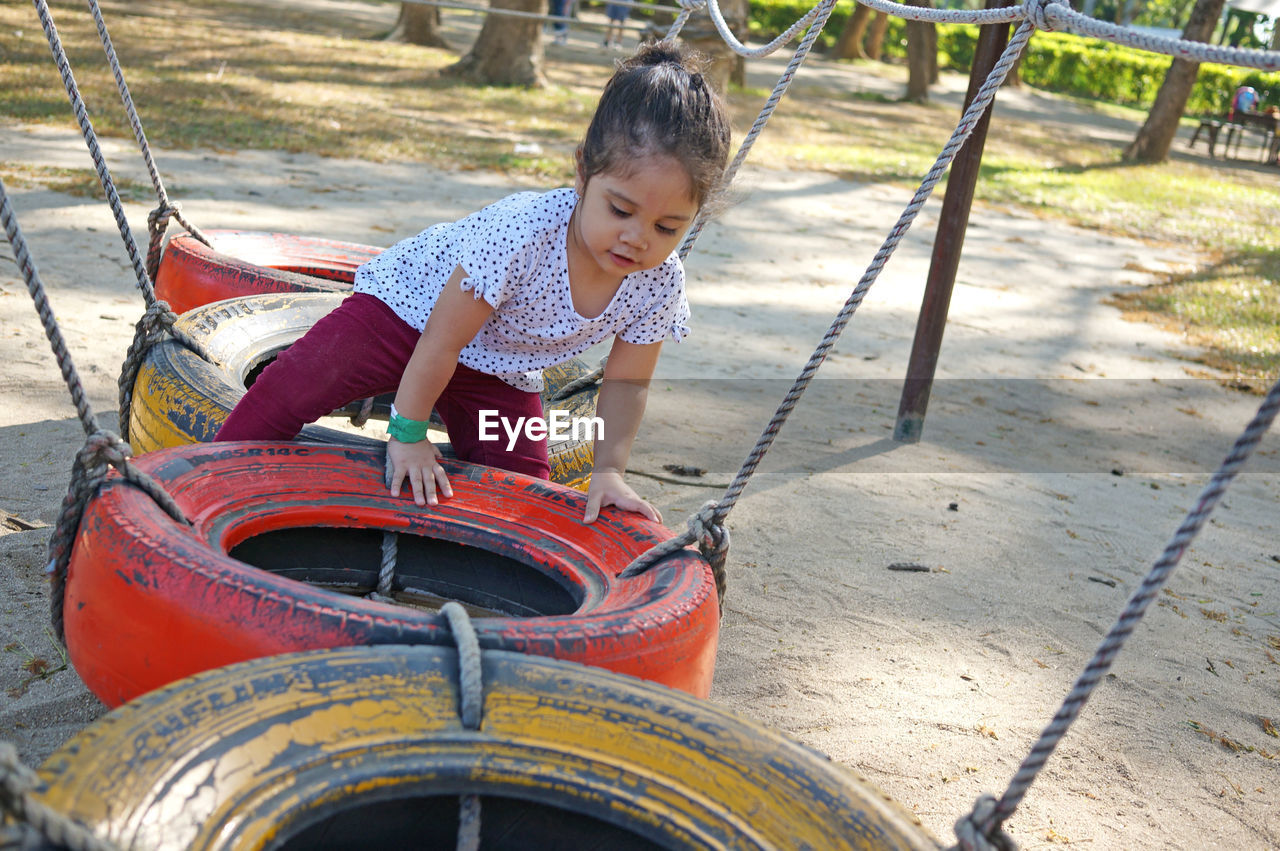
465,315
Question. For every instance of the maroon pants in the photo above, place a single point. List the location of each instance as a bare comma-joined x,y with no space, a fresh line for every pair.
360,350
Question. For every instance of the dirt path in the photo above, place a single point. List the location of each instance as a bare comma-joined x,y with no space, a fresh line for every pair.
1061,449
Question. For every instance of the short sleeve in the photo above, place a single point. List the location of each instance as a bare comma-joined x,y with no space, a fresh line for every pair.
496,253
667,314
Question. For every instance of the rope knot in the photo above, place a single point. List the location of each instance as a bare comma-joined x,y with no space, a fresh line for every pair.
693,5
711,535
158,219
1036,11
102,448
978,831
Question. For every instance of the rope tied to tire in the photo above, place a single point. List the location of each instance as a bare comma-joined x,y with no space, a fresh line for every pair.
152,327
16,780
144,277
470,710
102,449
706,529
158,223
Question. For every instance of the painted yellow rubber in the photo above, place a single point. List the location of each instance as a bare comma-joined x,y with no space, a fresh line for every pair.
255,755
179,398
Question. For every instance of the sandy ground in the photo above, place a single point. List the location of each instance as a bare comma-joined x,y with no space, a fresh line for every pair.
1062,447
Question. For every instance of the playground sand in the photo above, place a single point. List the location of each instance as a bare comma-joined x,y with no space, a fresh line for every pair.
1061,448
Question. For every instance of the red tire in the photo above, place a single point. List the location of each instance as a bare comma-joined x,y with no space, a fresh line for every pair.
240,263
148,601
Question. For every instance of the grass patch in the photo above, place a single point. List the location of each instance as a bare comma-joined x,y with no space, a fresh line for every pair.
80,182
233,74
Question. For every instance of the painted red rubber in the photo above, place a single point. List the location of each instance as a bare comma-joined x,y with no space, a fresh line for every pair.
148,601
240,263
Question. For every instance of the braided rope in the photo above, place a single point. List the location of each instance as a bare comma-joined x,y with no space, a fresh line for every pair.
101,448
702,529
1098,666
155,322
16,780
970,833
687,8
1061,16
158,220
823,11
44,310
1002,15
470,710
731,40
91,139
961,134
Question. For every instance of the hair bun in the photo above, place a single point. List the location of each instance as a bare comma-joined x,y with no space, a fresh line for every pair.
663,52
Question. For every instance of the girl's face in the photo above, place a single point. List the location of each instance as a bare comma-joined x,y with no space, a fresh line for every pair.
630,222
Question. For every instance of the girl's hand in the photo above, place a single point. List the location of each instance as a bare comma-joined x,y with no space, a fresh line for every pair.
420,464
608,488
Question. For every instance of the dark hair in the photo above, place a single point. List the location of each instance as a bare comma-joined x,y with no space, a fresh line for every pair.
659,102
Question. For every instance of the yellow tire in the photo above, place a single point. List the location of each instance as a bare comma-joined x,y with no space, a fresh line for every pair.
362,747
179,398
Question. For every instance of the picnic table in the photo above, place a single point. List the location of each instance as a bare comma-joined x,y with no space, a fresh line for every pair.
1241,125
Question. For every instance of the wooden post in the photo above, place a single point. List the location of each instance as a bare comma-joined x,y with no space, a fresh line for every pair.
948,242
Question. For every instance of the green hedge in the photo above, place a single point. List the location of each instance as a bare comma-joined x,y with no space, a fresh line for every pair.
1055,62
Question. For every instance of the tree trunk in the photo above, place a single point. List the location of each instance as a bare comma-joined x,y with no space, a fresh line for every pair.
1153,141
932,52
849,45
875,38
418,24
508,51
920,67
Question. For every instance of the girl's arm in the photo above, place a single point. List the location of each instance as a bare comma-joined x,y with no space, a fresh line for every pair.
620,406
454,321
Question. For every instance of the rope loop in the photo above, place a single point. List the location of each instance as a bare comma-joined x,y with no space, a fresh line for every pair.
152,327
470,710
470,685
16,780
973,831
706,529
1036,12
149,330
101,450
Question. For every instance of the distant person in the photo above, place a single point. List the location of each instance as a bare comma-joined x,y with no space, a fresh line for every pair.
561,9
1246,98
617,13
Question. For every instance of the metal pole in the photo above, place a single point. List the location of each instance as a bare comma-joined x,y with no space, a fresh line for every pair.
948,242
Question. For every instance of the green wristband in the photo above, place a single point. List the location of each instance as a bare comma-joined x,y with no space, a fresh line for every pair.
406,430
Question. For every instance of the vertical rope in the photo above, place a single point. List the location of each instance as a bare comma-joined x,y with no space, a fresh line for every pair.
99,162
470,710
823,10
158,220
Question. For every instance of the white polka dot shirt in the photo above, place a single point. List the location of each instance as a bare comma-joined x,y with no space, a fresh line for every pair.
514,252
